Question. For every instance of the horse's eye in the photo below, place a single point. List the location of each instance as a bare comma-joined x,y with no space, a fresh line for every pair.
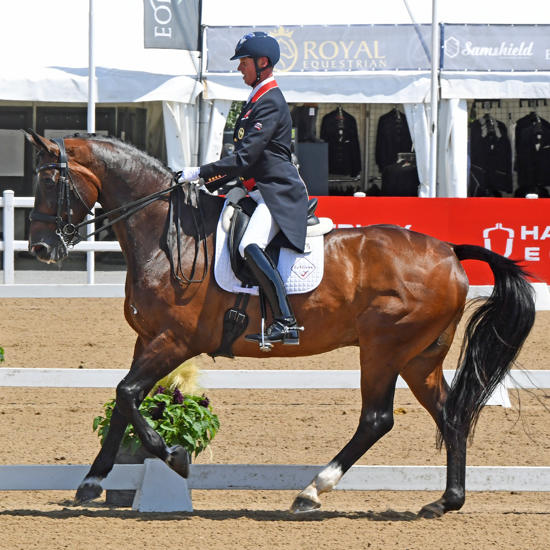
50,182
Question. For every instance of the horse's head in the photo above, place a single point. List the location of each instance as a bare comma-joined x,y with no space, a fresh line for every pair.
65,190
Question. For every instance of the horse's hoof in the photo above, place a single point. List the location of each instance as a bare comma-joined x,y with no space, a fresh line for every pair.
304,504
178,460
87,491
431,511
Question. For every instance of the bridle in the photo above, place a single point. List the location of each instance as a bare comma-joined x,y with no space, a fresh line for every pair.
69,234
67,231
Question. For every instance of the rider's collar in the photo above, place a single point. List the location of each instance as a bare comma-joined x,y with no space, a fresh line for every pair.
259,86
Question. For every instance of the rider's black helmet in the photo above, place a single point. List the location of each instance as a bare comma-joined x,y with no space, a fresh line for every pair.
258,44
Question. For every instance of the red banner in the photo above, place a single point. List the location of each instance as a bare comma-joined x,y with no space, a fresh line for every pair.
516,228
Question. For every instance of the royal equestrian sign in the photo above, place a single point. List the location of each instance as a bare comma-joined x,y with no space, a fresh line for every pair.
312,48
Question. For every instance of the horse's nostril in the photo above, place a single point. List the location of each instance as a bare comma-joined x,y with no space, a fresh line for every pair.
40,250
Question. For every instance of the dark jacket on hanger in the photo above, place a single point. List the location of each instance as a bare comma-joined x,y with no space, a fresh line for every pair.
392,137
304,119
339,130
533,151
491,154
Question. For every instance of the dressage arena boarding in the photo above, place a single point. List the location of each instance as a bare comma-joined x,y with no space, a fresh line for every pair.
216,473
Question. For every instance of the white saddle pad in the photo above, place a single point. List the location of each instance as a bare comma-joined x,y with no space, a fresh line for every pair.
300,272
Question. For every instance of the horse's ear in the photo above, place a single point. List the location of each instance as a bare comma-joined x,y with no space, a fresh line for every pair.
40,142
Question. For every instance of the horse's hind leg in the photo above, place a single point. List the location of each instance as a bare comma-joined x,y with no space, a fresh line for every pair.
424,375
377,390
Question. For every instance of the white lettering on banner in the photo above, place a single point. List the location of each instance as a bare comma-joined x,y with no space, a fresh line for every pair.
533,233
532,254
163,16
503,50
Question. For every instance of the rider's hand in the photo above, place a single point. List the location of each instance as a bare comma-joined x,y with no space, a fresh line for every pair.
189,174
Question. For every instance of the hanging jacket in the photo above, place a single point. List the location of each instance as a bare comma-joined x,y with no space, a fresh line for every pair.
392,137
532,141
491,154
339,130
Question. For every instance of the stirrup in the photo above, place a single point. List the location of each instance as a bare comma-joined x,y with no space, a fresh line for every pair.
278,331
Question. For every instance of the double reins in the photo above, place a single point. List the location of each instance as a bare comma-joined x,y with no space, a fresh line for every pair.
69,232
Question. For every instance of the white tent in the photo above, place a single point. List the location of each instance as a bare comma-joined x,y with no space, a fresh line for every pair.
45,58
412,88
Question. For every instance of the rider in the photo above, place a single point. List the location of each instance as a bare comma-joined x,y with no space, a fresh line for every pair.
262,162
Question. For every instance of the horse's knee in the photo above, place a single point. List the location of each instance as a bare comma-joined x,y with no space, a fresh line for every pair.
126,397
377,422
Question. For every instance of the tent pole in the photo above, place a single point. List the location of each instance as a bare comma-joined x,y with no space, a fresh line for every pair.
90,256
91,71
434,101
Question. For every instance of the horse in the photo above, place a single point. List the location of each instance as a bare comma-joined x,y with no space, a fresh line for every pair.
396,294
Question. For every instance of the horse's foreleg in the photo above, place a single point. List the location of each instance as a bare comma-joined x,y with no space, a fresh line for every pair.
90,488
376,420
155,361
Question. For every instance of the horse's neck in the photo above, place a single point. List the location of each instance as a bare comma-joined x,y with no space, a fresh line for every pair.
139,233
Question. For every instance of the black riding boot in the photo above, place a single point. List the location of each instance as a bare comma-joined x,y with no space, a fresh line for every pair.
283,329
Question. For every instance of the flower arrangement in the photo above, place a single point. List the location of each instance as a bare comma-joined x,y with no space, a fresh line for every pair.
180,417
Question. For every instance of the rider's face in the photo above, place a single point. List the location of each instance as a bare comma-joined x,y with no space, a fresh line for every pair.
248,70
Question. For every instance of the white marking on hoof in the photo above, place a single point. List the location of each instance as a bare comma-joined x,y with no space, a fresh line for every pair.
91,481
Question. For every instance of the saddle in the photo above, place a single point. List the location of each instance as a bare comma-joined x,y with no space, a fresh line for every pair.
240,214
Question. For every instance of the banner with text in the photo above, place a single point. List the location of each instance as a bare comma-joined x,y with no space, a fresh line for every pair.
171,24
331,48
516,228
496,47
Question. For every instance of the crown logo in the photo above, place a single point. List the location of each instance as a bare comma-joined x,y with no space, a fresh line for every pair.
281,31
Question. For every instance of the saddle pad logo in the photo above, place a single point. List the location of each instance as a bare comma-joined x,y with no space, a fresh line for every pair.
303,268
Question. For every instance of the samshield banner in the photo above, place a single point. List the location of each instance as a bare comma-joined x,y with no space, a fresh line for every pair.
496,47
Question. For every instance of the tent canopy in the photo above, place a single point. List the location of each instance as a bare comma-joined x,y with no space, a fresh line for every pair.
49,41
345,12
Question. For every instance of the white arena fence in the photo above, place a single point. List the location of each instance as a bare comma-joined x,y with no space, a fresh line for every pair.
159,489
9,246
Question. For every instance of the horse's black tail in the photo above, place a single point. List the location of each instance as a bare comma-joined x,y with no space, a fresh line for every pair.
493,338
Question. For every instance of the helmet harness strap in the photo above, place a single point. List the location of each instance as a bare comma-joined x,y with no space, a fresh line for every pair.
259,70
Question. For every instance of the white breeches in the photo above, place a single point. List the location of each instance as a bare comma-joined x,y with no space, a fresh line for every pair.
261,227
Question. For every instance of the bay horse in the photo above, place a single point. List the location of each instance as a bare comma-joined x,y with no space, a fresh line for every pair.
397,294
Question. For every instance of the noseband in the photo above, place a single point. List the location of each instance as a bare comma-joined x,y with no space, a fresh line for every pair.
67,231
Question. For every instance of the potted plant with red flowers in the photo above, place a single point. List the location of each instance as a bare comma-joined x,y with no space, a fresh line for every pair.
180,416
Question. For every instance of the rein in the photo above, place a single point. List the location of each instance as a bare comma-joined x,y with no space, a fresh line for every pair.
69,232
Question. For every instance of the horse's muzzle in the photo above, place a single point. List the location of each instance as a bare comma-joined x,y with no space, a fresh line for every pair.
48,253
